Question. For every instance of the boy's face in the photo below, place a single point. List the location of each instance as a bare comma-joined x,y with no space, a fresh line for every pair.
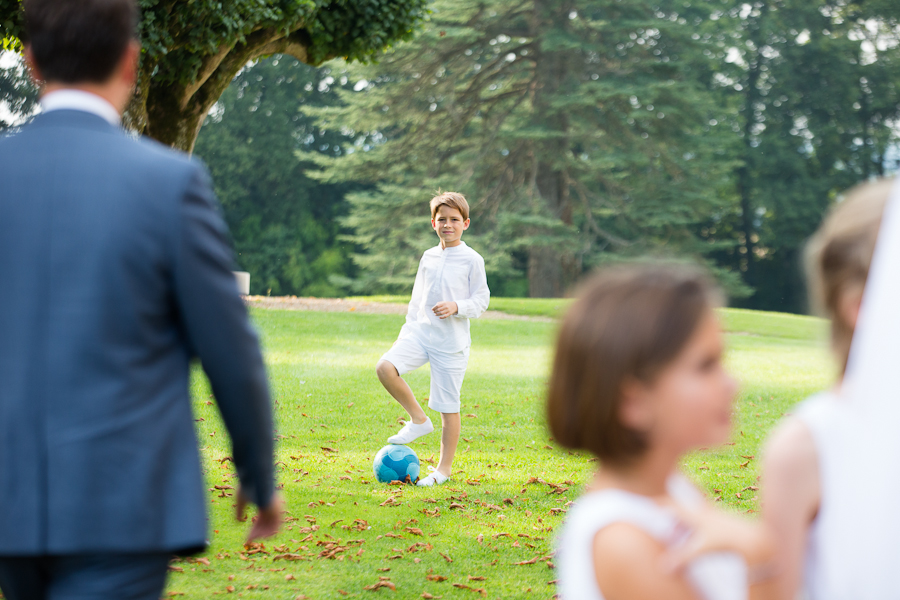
449,224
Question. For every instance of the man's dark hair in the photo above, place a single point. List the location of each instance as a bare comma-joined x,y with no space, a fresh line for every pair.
79,41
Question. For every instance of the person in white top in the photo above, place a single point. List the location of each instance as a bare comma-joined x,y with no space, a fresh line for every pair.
450,288
638,381
829,477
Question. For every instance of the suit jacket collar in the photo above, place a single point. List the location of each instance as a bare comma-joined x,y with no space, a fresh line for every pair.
73,118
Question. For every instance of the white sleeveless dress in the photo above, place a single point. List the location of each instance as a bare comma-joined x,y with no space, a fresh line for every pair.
720,576
853,549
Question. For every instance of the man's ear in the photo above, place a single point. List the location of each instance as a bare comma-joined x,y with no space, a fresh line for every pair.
36,76
128,67
636,406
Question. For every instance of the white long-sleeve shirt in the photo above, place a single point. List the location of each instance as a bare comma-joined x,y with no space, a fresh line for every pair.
451,274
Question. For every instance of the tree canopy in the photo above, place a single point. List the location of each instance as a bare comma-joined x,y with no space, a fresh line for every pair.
284,224
581,131
192,49
590,130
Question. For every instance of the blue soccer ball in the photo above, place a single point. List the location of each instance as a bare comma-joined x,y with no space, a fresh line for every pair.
395,463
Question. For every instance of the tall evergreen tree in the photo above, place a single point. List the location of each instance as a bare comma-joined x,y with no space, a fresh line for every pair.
579,129
284,225
816,86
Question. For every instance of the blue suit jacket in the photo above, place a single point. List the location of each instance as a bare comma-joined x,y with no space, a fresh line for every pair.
114,272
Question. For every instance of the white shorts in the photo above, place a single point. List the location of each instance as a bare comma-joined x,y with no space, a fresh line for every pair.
447,370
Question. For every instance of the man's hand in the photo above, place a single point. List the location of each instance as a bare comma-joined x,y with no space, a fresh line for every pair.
268,519
445,309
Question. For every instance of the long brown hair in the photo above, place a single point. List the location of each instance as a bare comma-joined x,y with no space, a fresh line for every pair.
838,256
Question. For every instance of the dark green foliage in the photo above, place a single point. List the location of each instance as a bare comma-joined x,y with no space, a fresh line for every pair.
192,49
579,131
284,225
17,93
11,24
772,108
815,116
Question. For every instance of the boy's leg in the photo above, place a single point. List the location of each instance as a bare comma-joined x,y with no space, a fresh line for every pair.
451,426
400,390
447,373
405,355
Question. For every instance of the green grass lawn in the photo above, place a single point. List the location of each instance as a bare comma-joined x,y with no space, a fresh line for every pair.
512,484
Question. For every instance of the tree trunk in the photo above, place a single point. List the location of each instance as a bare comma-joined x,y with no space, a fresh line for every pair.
550,269
173,114
745,180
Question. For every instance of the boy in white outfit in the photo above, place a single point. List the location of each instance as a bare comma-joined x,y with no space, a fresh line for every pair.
451,288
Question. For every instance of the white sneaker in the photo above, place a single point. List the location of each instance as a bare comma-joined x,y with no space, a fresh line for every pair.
435,477
411,431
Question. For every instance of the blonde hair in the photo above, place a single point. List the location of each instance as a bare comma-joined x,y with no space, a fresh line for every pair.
453,200
838,256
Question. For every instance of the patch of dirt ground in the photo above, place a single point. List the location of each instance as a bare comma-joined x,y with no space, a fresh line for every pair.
358,306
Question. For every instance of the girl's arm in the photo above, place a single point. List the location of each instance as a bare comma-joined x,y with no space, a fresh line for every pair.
629,565
790,501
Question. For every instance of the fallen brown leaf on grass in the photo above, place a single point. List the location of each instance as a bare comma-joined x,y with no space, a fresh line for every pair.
383,582
436,578
477,578
414,530
479,538
528,562
456,505
463,586
445,557
288,556
428,596
419,546
392,501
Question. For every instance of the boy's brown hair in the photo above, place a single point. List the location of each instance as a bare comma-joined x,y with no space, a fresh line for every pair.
838,256
453,200
628,323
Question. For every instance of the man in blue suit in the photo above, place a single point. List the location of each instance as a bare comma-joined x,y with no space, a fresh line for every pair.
115,272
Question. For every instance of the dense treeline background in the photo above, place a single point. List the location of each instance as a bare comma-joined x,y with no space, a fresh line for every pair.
582,131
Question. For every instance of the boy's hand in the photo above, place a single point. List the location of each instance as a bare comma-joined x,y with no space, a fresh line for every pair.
445,309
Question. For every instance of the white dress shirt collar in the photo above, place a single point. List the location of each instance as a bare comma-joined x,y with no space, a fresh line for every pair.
83,101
